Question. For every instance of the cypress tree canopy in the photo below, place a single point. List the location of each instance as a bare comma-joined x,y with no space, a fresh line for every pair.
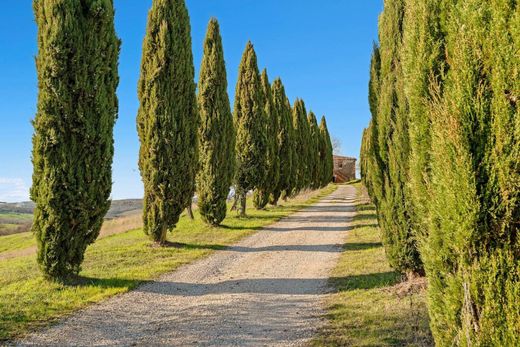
446,75
301,129
249,117
216,132
314,151
72,143
282,109
394,205
326,157
262,193
472,249
167,120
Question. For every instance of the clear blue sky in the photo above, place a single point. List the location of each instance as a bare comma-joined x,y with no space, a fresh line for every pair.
320,49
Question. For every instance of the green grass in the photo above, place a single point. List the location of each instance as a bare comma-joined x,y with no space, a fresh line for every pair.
117,264
366,310
22,217
16,241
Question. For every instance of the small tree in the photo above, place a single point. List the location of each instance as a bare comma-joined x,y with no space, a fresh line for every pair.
282,109
249,120
167,120
73,144
216,132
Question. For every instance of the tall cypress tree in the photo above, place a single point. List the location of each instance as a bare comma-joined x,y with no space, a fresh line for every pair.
167,120
314,151
424,63
375,165
72,143
263,192
249,120
472,249
282,109
216,132
301,129
394,206
326,157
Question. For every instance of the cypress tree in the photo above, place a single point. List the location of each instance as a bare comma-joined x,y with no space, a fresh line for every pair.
301,129
472,249
326,157
424,62
314,151
73,143
262,193
249,120
394,206
364,155
167,120
216,132
282,109
375,165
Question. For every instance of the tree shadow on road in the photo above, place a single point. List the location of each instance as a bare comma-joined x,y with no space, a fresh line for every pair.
284,286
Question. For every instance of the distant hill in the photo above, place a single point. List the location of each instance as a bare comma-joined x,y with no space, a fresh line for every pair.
117,208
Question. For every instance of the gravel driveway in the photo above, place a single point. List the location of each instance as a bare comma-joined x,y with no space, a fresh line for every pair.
266,290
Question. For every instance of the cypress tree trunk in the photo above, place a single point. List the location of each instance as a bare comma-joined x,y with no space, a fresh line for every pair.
72,143
326,156
249,117
282,109
262,193
217,135
167,120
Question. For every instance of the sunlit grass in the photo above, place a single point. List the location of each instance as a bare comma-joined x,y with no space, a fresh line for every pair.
367,310
118,263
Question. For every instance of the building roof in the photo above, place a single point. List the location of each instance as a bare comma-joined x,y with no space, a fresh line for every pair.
343,157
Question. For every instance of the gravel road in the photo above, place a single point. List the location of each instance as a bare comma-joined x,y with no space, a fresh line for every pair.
267,290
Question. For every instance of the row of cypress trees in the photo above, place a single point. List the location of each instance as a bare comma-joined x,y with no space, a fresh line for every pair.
441,160
191,142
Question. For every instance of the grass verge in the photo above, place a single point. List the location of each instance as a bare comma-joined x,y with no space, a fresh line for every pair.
118,263
372,307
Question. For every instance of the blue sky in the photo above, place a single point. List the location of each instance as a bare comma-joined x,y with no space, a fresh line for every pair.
320,49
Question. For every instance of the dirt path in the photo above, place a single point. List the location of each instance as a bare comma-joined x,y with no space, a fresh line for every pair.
266,290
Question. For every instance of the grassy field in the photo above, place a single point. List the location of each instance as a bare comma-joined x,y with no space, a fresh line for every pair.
116,264
372,307
11,223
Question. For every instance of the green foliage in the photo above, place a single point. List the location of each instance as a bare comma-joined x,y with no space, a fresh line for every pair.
374,166
326,157
302,146
424,61
472,250
263,192
285,141
167,119
72,144
452,84
216,132
314,151
392,147
249,120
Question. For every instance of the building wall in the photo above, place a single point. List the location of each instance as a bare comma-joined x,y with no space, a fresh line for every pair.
344,169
